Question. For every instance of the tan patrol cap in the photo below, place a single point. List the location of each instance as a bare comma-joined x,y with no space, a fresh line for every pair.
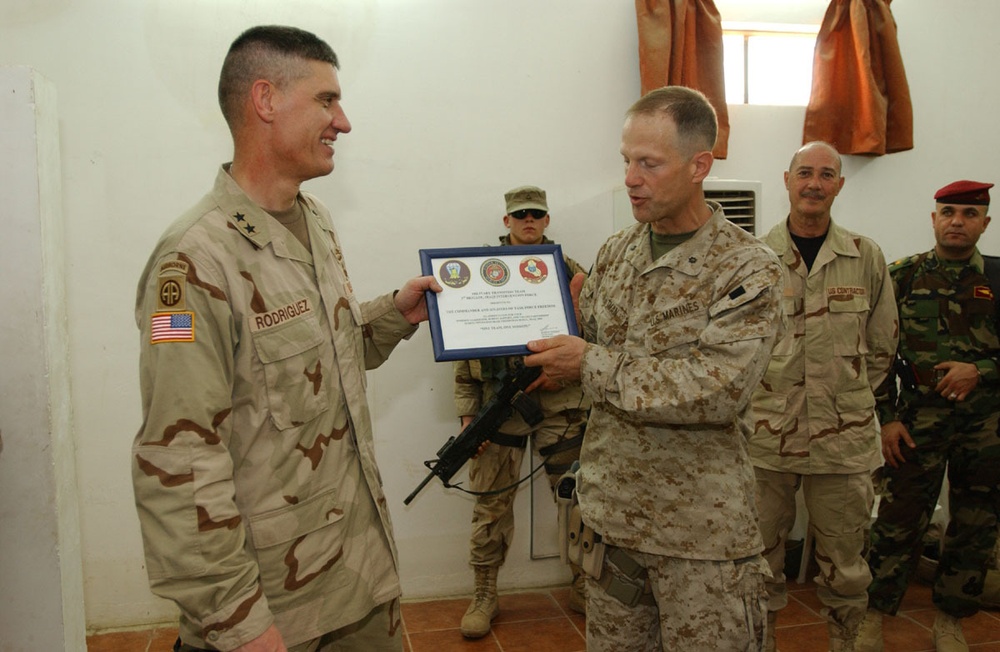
525,197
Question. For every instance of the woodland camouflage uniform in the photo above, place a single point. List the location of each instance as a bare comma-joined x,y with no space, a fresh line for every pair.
946,312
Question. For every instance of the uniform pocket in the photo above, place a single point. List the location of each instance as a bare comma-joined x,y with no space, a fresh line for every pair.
298,544
847,321
293,370
164,488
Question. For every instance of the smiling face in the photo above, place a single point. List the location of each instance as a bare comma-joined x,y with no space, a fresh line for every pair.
307,119
813,181
957,228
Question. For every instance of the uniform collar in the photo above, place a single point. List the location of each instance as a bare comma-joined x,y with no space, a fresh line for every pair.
254,223
505,241
976,261
838,242
689,256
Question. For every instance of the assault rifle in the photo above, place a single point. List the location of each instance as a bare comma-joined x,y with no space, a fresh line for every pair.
459,449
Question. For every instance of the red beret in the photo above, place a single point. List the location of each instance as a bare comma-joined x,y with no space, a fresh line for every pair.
964,192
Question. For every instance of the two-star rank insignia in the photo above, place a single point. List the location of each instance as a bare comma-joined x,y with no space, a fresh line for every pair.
241,220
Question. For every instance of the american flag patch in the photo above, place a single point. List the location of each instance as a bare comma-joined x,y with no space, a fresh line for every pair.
172,327
982,292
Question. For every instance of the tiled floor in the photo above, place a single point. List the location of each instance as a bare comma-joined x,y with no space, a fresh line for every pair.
540,621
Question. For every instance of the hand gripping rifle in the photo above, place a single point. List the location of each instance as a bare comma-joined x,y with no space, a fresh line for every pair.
458,450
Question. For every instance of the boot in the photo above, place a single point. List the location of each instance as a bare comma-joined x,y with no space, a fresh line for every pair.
948,634
484,606
990,597
869,638
578,591
839,640
771,642
842,635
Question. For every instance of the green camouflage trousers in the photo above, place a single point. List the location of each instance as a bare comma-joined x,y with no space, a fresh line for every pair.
500,466
965,442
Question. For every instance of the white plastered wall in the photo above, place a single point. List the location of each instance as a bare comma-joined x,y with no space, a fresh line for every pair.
41,601
452,103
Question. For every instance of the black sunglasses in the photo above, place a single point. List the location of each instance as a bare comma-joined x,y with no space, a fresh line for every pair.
535,213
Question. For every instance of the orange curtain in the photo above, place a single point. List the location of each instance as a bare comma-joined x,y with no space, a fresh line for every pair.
860,101
680,44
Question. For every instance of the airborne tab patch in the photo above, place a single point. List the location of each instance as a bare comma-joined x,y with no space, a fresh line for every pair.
171,327
171,285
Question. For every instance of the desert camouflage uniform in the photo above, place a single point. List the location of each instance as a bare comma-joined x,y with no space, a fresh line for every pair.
677,346
254,469
814,414
565,416
946,312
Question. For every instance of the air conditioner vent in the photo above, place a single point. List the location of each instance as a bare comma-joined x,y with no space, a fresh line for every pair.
739,200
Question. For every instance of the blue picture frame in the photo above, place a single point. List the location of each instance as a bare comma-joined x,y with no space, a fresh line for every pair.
477,269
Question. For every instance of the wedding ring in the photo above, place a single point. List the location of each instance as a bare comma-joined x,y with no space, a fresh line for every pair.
953,396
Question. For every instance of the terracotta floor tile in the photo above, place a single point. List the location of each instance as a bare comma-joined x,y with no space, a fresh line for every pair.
451,640
163,639
137,641
918,596
561,596
540,621
802,638
433,615
799,613
550,635
528,606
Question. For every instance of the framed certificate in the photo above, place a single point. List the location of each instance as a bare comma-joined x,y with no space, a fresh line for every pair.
494,300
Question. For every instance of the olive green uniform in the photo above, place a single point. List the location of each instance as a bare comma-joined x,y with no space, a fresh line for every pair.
946,313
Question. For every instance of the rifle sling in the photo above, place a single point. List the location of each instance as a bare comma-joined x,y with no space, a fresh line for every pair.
514,441
520,441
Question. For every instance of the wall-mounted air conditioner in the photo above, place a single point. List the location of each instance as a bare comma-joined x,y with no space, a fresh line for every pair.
740,202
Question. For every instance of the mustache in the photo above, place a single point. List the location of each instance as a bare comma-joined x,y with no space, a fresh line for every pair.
808,194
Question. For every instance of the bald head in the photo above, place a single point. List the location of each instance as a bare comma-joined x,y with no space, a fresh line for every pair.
814,146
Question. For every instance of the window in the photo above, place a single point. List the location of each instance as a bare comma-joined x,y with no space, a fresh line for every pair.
768,63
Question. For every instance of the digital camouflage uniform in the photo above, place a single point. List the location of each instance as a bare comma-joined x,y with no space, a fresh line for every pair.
677,346
946,312
565,416
254,469
814,414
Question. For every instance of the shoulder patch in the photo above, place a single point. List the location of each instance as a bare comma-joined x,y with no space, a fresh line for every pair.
168,267
171,327
170,292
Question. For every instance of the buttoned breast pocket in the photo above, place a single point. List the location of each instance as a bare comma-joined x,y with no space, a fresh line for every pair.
848,318
294,374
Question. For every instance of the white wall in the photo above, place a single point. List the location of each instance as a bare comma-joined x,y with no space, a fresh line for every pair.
40,566
452,103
